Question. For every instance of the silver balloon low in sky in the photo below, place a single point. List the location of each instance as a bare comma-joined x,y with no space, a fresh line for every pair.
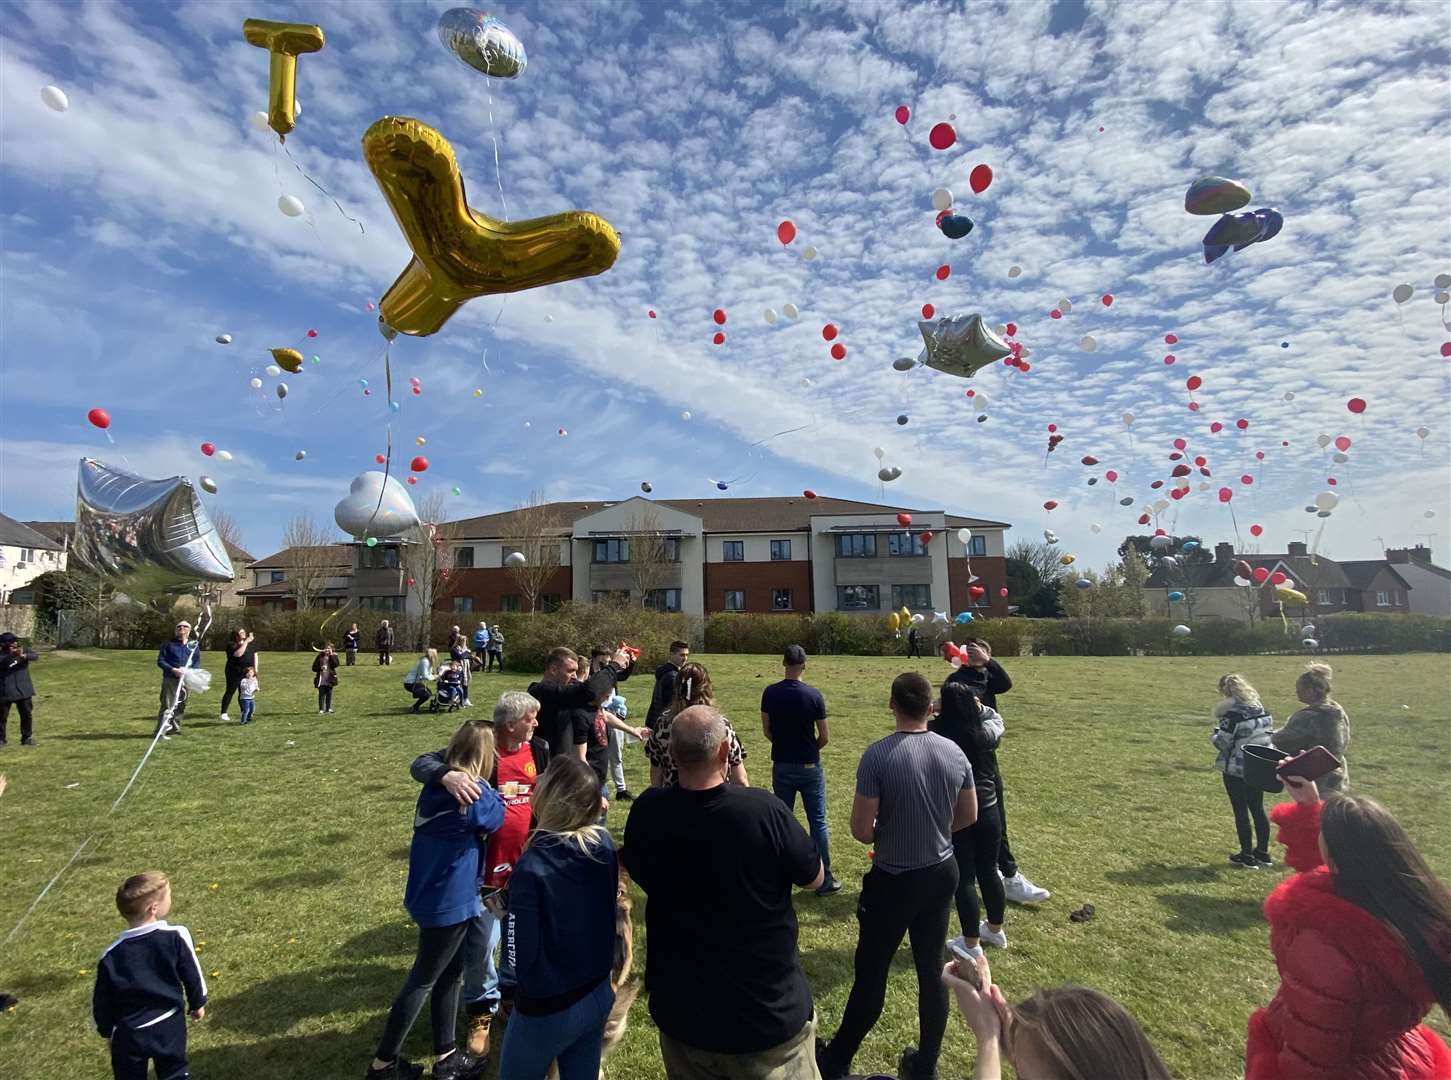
482,42
376,506
146,535
960,345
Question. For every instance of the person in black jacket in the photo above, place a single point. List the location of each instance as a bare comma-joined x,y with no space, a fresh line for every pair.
16,688
567,708
350,644
665,676
986,677
384,640
325,677
241,655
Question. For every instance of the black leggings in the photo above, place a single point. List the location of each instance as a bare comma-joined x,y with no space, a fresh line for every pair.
324,698
234,685
435,975
976,851
1248,802
918,904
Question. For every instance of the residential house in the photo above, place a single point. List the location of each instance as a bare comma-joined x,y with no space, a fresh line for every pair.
342,575
790,554
1430,584
25,554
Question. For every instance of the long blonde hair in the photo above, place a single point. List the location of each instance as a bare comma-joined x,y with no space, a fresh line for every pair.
1316,679
692,687
566,805
1238,687
471,750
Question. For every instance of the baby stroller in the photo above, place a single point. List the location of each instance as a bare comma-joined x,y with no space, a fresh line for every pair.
450,694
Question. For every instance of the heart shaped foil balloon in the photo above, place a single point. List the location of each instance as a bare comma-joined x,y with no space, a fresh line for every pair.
376,505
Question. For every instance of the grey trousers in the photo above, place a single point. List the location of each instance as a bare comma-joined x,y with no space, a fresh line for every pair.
169,687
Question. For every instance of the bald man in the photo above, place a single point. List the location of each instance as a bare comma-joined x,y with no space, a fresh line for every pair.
709,853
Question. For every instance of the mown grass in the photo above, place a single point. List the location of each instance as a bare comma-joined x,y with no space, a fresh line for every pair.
287,844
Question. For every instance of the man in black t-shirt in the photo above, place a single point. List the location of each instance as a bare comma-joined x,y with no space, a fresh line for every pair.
793,718
715,855
566,707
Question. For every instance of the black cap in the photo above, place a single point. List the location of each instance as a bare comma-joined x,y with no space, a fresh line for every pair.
795,656
8,638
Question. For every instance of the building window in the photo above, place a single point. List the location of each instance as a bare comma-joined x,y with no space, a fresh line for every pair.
977,545
381,603
379,558
733,550
278,575
781,550
509,602
27,555
549,601
1382,599
671,546
735,600
856,546
612,551
911,596
781,599
463,603
857,598
663,599
618,597
1322,596
330,602
905,544
463,559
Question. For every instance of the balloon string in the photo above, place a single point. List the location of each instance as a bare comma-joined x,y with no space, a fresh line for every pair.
498,176
1238,541
388,459
329,194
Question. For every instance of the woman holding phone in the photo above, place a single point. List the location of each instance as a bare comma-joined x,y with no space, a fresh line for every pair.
1362,939
1322,722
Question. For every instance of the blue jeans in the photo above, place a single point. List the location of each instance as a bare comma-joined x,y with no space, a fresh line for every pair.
786,781
570,1036
483,978
248,704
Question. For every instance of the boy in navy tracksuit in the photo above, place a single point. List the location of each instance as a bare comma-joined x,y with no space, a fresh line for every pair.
138,1003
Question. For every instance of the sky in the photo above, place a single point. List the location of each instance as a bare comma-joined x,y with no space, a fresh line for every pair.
143,222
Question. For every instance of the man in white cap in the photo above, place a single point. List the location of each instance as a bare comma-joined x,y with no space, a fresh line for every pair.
173,659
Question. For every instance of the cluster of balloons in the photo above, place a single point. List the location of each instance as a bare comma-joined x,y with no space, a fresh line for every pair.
1218,195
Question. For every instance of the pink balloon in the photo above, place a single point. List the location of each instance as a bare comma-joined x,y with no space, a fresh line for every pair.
1225,494
1179,444
1171,339
1111,476
1170,358
1342,444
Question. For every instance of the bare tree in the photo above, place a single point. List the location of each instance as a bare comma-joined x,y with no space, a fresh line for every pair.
429,560
533,532
311,560
227,527
652,554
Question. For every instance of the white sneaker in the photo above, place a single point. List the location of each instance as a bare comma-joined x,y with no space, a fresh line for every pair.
225,718
989,936
321,711
1022,891
468,704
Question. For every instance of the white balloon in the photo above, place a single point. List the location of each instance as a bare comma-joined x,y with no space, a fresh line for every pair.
964,535
1049,536
1065,305
1161,505
1422,432
290,205
258,120
791,311
1160,542
515,558
527,424
1443,297
1322,441
296,107
549,318
685,415
1308,630
1289,395
255,384
942,199
1088,344
55,98
1326,500
808,253
806,382
1310,643
1340,458
770,315
1182,631
1401,293
1014,271
273,370
1429,514
918,619
1095,528
224,455
1128,419
878,453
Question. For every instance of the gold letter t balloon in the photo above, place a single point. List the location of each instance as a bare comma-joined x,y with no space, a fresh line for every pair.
459,253
284,41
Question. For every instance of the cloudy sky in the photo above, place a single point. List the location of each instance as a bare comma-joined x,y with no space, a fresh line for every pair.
144,221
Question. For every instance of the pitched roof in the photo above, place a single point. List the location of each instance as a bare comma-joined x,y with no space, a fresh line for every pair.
1317,572
63,532
772,514
337,555
16,534
1361,572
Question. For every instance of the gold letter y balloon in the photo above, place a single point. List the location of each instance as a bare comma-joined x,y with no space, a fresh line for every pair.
459,253
284,41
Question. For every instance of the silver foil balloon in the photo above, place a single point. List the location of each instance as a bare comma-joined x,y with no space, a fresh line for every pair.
960,345
146,535
482,42
903,363
207,484
376,506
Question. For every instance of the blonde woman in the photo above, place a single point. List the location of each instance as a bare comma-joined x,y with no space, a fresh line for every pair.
442,896
1240,720
561,930
692,687
1322,722
417,680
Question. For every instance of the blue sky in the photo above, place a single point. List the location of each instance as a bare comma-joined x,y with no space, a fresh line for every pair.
143,222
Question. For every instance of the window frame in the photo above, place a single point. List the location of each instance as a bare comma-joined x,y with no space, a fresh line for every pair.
671,546
976,545
620,545
511,602
463,605
1382,598
876,598
913,542
790,600
651,595
899,600
276,577
732,551
726,604
866,542
460,562
778,547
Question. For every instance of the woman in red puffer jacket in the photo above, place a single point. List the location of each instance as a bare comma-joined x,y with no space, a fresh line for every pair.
1362,939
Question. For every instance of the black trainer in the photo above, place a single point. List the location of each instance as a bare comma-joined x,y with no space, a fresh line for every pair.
821,1055
623,795
459,1065
907,1066
830,887
1245,860
28,741
1262,858
398,1069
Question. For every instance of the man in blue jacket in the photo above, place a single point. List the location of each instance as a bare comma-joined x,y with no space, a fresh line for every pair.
175,657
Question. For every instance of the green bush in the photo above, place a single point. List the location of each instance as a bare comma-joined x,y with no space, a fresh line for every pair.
757,632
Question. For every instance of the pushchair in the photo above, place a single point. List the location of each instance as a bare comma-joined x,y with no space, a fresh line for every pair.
450,694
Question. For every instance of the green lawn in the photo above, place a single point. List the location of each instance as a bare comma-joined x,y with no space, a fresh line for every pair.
287,845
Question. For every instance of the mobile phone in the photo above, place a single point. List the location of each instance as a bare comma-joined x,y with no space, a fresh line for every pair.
1311,765
967,969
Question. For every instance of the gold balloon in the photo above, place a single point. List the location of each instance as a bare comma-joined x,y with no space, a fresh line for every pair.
1067,560
289,360
894,620
459,253
1286,595
285,41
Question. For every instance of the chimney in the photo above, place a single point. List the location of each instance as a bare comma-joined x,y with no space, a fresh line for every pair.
1224,552
1418,554
1297,547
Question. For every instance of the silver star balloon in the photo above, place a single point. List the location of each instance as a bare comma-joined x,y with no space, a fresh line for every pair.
960,345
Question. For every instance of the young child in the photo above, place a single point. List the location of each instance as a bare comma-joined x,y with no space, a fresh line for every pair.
140,982
451,684
1240,721
248,694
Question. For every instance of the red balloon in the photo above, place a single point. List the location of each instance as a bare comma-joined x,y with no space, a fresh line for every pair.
980,177
1111,476
1143,519
808,493
379,458
410,580
1242,424
651,313
1330,480
209,448
903,114
1194,382
1003,592
1108,300
1089,459
1160,532
1055,314
1180,470
1051,504
829,332
419,464
1157,484
926,536
1178,493
1170,358
1342,444
1446,348
928,311
1284,442
838,351
1171,339
1256,530
417,389
1025,366
940,216
719,316
976,591
941,136
1215,428
1246,479
312,333
1260,575
719,339
943,271
1179,444
1356,405
1052,428
1259,455
904,519
1225,494
785,232
1194,406
1011,328
972,393
1201,461
1278,578
413,479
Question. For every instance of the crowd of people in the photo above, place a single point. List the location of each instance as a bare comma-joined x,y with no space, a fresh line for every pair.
522,898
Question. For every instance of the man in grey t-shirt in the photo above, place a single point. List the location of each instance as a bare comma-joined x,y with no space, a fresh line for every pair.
914,790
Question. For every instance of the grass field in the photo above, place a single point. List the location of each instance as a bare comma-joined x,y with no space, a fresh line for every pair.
287,844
